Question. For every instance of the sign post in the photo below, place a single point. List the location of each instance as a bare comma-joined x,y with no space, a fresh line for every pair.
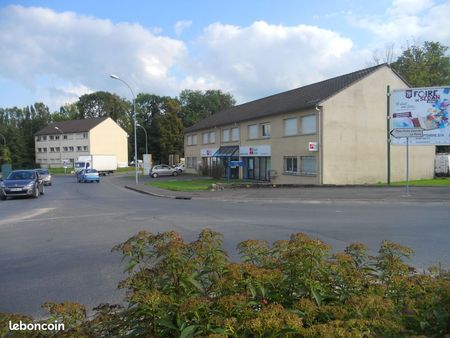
407,133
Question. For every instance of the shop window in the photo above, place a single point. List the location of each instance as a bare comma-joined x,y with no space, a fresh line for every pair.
234,134
290,164
290,127
308,165
308,124
226,135
265,130
253,131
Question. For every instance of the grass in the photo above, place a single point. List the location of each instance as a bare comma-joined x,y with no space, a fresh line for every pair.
437,182
188,185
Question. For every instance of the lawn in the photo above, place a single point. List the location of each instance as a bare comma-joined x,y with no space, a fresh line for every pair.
438,182
188,185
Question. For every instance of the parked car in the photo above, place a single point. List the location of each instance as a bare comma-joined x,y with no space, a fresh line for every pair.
88,175
162,170
45,176
22,183
180,168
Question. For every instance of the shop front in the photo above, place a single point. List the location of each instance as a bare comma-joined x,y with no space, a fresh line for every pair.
257,162
223,156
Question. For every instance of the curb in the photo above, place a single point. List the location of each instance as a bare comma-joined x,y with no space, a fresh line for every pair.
157,195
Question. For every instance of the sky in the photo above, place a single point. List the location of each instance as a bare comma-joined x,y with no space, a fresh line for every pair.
55,51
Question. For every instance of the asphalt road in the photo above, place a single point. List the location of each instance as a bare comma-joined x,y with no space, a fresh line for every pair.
58,247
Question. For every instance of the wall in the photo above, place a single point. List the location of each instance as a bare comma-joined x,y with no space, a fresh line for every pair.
107,138
354,136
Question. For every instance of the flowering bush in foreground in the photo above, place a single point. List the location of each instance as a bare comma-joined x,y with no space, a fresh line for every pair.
293,288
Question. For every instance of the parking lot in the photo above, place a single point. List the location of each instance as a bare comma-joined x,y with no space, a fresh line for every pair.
57,247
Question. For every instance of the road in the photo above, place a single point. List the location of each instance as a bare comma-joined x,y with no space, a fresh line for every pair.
58,247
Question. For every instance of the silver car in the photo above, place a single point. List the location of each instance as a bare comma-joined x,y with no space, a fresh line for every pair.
45,175
162,170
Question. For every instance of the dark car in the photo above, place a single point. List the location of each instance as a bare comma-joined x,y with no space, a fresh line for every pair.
22,183
45,176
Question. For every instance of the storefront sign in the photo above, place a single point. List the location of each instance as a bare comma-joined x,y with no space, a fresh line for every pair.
424,108
255,151
207,152
234,164
313,146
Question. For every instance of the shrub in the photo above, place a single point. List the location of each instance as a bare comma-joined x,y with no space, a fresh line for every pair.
294,287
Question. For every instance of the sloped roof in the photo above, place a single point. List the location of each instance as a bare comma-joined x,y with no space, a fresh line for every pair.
74,126
293,100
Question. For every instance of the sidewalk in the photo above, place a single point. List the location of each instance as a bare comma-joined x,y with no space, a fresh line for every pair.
299,194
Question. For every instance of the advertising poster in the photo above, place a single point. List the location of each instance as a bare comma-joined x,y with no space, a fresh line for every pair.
426,108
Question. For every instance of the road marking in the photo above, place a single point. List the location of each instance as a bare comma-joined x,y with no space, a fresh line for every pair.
75,216
26,216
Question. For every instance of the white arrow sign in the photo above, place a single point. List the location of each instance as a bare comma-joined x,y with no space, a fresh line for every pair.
407,132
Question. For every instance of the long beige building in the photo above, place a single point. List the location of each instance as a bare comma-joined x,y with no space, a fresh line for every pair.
62,142
330,132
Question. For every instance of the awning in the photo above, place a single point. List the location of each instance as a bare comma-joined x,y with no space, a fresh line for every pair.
227,151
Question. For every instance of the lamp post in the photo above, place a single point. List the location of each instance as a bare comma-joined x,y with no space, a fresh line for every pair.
115,77
146,138
60,146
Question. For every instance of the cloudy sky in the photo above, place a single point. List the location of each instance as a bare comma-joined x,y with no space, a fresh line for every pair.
54,51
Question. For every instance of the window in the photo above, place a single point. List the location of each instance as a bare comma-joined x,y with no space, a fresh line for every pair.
308,165
70,148
192,162
205,138
85,135
39,150
65,149
65,137
51,137
52,150
44,138
57,137
308,124
212,137
290,164
253,131
290,126
265,130
234,134
57,149
79,148
44,150
194,140
226,135
85,148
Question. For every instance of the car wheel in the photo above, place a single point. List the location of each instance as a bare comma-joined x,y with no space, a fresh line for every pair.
154,175
175,173
36,192
98,181
43,190
2,197
50,183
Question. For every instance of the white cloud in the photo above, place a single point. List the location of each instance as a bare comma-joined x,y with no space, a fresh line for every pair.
263,59
410,20
79,51
180,26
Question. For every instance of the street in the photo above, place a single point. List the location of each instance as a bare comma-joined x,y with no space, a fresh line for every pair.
58,247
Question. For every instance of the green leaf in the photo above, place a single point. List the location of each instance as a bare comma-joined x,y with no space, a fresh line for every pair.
195,283
252,290
317,296
188,331
168,324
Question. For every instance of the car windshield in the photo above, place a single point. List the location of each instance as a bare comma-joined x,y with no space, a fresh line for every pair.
91,171
43,172
20,175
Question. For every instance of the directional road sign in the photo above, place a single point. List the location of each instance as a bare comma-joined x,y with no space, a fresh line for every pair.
407,132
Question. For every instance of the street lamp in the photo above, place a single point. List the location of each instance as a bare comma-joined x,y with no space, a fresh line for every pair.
146,138
115,77
60,146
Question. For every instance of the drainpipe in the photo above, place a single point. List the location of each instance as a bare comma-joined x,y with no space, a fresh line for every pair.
320,157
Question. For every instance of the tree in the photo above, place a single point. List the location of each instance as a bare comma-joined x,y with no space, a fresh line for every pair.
196,105
424,66
171,131
101,104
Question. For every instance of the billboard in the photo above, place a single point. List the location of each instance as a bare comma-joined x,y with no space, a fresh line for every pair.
426,108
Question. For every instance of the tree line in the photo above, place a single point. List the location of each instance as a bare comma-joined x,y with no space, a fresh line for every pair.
165,117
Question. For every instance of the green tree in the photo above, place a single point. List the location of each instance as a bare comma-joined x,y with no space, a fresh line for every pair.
101,104
196,105
171,131
424,66
66,113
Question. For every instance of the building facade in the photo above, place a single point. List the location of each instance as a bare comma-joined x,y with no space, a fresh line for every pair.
330,132
62,142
